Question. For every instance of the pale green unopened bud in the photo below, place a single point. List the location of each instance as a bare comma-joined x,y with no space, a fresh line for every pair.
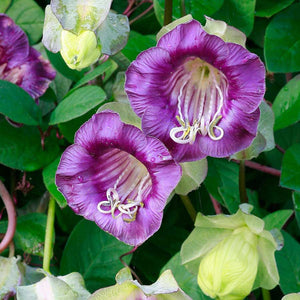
79,51
292,296
228,271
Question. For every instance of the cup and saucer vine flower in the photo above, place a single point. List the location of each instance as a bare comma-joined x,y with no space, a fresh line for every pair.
197,93
20,63
118,177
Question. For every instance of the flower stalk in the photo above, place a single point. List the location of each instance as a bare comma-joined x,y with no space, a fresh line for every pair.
189,207
168,12
49,235
242,182
12,221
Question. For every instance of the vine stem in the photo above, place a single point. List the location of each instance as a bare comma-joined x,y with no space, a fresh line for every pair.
49,235
259,167
242,182
12,218
142,14
216,205
125,265
189,207
265,294
168,12
182,8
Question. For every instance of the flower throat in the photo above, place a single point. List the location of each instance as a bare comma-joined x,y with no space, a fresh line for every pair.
200,90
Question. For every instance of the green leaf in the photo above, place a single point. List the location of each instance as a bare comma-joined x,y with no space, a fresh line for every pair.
29,16
239,14
77,104
286,106
193,174
77,15
296,201
49,181
282,41
288,262
59,64
21,147
138,43
290,174
16,104
113,33
4,4
102,262
268,8
125,112
107,69
222,182
184,278
277,219
60,85
30,233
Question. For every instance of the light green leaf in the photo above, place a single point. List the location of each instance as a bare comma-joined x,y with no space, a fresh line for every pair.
290,173
113,33
102,262
125,112
193,174
77,15
286,106
277,219
282,41
4,4
77,104
107,69
16,104
296,201
49,181
118,91
29,16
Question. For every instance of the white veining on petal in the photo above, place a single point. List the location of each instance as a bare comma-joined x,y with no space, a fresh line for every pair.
130,183
198,89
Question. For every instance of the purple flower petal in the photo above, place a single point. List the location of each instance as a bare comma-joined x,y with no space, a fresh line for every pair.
20,63
193,91
119,178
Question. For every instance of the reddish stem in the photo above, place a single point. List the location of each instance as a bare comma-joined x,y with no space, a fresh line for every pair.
125,265
288,76
142,14
130,4
12,220
280,148
216,204
261,168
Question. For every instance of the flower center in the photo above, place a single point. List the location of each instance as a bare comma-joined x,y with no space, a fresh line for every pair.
129,183
199,90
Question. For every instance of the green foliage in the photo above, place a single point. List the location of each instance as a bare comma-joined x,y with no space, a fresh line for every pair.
101,265
282,44
17,105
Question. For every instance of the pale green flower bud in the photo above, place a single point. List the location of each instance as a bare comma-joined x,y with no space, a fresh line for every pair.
228,271
79,51
292,296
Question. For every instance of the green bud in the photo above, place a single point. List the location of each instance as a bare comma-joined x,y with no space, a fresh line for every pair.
228,271
79,51
292,296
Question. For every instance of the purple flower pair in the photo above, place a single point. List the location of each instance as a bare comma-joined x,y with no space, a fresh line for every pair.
196,94
20,63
